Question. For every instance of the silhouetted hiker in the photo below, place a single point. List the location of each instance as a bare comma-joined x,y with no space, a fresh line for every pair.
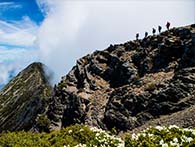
55,88
146,34
137,36
159,29
153,31
168,25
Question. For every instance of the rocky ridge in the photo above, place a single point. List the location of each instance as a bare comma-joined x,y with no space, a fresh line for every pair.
128,85
23,98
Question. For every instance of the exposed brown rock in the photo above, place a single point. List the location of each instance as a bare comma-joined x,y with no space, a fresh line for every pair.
128,85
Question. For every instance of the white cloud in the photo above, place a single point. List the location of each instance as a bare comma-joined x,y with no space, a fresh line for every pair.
74,28
21,33
17,54
6,70
14,60
17,47
61,28
7,5
45,5
3,74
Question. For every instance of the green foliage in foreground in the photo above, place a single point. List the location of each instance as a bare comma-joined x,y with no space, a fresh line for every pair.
77,135
158,136
84,136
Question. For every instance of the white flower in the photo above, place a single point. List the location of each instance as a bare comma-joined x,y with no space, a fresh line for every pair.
193,131
173,126
81,145
175,140
122,144
69,131
186,139
97,134
189,139
165,145
161,142
150,135
186,130
174,143
81,130
134,136
159,128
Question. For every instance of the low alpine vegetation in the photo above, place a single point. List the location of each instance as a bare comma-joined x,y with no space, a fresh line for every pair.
73,136
158,136
85,136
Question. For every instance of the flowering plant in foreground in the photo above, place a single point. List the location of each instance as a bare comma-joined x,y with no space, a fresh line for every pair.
158,136
101,138
171,136
85,136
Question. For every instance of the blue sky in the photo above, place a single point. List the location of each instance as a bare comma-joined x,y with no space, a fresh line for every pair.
58,32
15,10
19,23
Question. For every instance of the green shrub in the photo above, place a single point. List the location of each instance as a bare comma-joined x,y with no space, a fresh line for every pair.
84,136
70,136
171,136
62,85
43,123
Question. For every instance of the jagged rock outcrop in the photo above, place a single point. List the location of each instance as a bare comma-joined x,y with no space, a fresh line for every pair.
126,86
130,84
23,98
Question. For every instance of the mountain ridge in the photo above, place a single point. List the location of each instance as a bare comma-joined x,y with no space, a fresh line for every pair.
23,98
127,86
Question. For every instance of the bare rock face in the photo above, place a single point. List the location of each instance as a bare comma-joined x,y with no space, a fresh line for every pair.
130,84
23,98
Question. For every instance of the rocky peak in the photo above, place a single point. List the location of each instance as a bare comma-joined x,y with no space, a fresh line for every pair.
23,98
127,85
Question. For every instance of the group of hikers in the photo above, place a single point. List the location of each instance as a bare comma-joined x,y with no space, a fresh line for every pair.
154,30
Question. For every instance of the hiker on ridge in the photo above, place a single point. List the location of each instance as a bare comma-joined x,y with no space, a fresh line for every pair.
159,29
146,34
153,31
137,36
168,25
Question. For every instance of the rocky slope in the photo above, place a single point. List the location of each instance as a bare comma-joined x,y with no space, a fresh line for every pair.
23,98
129,85
126,86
